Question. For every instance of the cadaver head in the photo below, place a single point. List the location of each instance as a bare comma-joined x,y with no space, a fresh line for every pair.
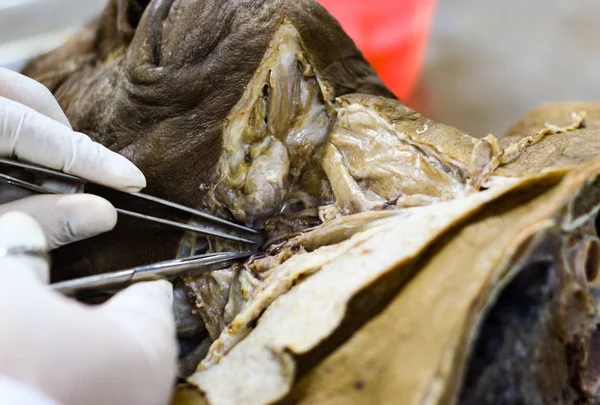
157,80
220,103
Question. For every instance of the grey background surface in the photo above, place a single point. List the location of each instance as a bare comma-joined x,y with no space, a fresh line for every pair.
488,63
31,27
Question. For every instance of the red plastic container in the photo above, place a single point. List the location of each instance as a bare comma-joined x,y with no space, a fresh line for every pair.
392,34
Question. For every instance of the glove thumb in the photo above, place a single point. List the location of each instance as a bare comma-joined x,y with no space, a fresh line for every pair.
147,305
144,312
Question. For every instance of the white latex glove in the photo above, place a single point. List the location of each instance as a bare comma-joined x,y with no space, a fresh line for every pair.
33,128
121,352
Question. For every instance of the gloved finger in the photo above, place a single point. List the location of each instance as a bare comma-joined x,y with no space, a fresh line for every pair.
147,306
20,231
33,137
35,95
69,218
144,312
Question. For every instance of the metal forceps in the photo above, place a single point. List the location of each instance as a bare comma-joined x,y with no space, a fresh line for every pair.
169,269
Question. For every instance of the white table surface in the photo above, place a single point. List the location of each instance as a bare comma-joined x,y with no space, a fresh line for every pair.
31,27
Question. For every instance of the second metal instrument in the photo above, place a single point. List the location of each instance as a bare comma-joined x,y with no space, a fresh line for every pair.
110,282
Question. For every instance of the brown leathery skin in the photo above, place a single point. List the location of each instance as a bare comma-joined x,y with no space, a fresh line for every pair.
565,150
558,114
159,91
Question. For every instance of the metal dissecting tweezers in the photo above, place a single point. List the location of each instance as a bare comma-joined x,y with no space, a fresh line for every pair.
167,269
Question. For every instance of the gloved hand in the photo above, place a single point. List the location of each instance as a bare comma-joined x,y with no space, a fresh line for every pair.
33,128
121,352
